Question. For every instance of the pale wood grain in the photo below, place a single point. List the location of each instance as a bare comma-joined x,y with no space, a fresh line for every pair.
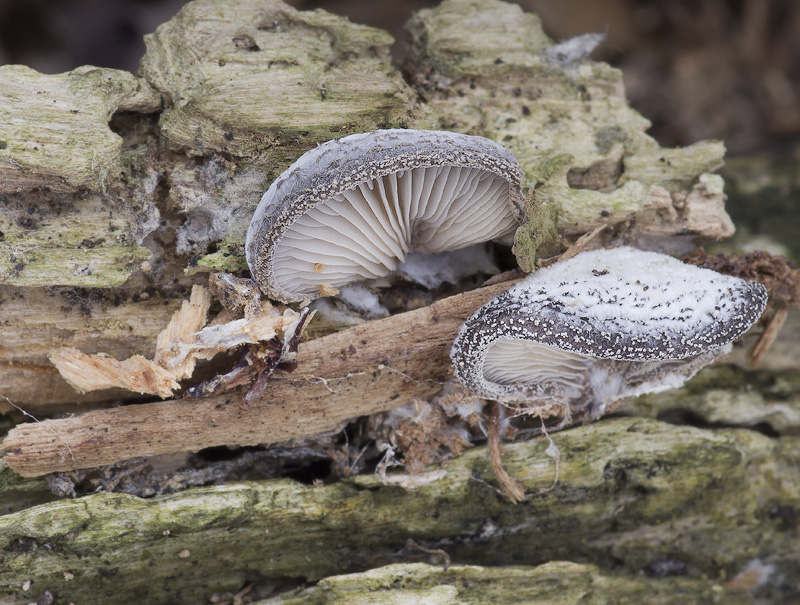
367,369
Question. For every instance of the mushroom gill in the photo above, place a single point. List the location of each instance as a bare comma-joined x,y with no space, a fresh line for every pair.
353,208
602,326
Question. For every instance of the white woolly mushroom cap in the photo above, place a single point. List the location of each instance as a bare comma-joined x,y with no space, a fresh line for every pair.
353,208
601,326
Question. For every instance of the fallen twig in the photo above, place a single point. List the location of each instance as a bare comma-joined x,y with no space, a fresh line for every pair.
378,366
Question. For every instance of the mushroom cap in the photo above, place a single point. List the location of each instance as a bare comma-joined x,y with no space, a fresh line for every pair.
621,304
351,208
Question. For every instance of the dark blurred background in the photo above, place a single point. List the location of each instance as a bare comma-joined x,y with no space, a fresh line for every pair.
727,69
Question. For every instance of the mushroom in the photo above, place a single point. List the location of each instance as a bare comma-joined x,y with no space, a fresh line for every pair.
601,326
351,209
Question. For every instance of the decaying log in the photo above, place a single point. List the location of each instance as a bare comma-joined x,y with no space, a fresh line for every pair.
635,496
366,369
164,164
104,231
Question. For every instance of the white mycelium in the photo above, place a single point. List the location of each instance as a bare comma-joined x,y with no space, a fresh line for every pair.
353,208
604,325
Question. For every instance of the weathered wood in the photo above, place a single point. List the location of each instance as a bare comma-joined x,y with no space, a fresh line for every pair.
570,126
185,172
61,167
556,583
635,496
367,369
35,321
55,127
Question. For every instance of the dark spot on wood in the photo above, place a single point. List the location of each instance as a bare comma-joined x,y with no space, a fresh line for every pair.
526,111
665,567
246,42
89,243
28,222
287,366
786,515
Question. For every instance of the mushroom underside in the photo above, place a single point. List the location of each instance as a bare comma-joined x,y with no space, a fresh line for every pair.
365,232
516,371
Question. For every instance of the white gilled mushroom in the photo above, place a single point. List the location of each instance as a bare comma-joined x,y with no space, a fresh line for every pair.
604,325
352,208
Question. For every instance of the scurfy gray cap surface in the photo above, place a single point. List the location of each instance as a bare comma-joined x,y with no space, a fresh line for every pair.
603,325
352,208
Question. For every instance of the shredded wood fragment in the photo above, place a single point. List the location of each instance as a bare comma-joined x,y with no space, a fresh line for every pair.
238,295
426,434
180,345
190,318
328,290
92,372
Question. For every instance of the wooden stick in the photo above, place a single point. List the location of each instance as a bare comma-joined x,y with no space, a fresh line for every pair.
370,368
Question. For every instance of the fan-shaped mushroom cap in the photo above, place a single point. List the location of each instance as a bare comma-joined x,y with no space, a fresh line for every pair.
352,208
604,325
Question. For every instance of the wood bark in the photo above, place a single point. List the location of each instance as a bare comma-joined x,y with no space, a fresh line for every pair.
367,369
636,497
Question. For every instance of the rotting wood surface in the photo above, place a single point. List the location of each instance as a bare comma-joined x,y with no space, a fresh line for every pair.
174,160
366,369
634,496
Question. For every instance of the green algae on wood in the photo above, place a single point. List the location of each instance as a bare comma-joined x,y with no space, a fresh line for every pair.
56,130
496,80
18,493
631,492
59,162
249,88
729,396
67,240
556,583
258,78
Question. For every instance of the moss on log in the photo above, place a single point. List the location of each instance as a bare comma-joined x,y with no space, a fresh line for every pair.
632,493
583,149
557,583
